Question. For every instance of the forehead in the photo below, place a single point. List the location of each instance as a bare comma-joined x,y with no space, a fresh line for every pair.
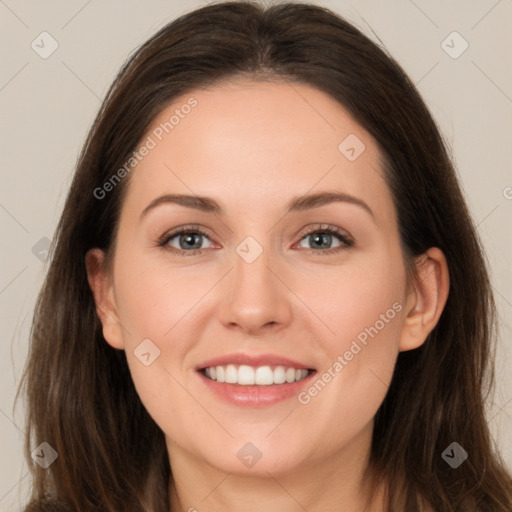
250,144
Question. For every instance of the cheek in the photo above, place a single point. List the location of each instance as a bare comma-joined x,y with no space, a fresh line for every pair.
157,305
152,298
149,304
366,310
363,314
361,301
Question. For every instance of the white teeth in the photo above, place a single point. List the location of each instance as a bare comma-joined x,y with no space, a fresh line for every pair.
279,375
290,375
264,376
245,375
231,375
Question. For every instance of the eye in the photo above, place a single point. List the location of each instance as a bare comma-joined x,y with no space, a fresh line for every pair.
188,241
323,235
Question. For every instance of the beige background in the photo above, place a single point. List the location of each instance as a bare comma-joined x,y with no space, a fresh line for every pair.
48,105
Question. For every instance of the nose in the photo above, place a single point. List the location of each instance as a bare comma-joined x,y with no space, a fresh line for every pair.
257,295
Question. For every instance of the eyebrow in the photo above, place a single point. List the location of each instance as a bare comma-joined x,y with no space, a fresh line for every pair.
297,204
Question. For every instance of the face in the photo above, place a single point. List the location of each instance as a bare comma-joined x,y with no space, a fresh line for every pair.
263,286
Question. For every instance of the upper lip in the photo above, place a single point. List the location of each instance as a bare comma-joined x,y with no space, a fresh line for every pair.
253,360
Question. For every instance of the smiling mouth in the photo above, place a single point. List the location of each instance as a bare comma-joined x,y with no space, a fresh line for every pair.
245,375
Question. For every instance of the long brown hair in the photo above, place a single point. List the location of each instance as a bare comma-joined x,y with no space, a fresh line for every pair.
80,396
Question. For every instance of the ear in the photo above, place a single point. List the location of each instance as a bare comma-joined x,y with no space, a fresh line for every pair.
426,300
100,282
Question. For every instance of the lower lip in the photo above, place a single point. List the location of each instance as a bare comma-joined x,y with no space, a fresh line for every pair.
256,396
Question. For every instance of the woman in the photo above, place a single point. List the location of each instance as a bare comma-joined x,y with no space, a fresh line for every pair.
254,370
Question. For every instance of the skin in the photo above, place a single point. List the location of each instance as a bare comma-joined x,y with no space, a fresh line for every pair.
253,146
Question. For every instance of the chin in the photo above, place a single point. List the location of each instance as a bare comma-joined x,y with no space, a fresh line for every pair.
255,459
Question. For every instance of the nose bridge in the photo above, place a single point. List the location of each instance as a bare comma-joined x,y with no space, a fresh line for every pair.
256,296
251,273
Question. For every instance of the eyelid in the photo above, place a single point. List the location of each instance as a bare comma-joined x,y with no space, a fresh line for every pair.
326,228
188,228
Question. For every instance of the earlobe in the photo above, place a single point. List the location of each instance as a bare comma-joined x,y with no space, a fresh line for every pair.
100,283
426,300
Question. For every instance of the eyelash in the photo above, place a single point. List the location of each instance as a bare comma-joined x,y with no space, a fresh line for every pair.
324,229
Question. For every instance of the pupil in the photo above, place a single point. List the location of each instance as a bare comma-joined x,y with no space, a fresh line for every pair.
190,237
324,236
